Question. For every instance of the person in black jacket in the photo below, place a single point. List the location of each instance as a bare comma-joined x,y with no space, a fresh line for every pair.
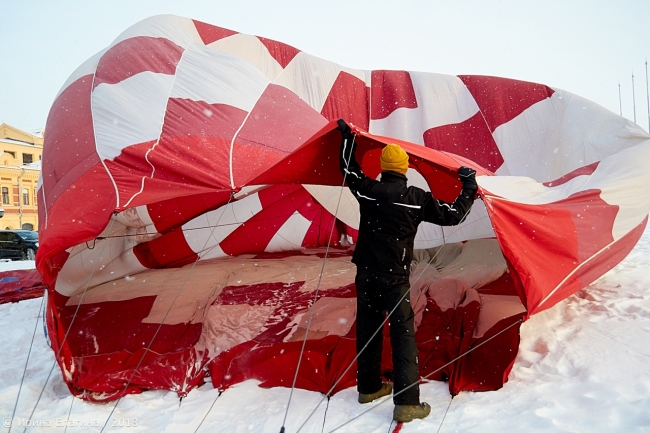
390,214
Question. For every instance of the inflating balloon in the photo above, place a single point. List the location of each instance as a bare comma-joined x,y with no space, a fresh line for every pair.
190,187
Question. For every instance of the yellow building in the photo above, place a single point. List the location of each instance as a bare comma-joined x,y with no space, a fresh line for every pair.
20,166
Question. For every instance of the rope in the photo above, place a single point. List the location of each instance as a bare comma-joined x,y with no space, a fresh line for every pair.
445,415
68,418
65,337
178,292
22,379
320,278
380,327
325,416
432,373
208,412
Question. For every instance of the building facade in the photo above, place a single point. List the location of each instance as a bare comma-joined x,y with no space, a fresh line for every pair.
20,166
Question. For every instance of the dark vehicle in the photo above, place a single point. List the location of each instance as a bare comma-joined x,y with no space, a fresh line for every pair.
18,244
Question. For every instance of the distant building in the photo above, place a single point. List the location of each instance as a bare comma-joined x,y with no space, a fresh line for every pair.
20,166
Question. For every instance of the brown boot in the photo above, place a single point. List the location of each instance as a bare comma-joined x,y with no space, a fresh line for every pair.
409,412
386,389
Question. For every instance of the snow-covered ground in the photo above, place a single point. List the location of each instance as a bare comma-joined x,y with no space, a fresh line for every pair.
583,366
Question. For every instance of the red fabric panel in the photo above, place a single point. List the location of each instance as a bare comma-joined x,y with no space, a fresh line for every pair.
168,251
102,378
69,132
321,232
487,367
348,99
110,344
195,135
196,142
595,268
582,171
391,90
279,123
279,203
273,362
172,213
112,326
442,335
502,99
19,285
545,243
93,199
504,285
471,139
316,162
135,55
281,52
210,33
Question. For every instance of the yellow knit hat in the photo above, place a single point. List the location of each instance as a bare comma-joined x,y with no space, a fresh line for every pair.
393,158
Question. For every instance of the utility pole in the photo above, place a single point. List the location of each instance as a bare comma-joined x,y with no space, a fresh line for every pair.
633,99
647,92
620,104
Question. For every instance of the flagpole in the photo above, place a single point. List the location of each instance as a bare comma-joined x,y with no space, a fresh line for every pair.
633,98
647,92
620,104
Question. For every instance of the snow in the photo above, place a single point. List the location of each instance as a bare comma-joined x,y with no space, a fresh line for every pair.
582,367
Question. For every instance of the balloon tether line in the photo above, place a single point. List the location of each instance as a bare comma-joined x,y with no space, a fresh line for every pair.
320,278
380,327
208,412
178,292
65,337
13,414
445,414
433,372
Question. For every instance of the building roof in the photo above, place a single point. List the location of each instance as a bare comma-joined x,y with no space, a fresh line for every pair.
20,143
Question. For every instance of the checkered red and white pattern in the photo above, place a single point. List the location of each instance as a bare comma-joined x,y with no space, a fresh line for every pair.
175,125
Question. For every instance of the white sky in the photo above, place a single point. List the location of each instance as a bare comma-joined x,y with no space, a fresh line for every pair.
583,46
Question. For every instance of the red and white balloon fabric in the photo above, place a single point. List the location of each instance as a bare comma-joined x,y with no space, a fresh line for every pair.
190,184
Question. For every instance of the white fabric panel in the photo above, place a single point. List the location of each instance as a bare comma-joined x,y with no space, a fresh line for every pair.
623,179
550,139
362,75
179,30
477,225
204,233
87,68
129,112
218,78
311,78
250,49
442,100
290,236
331,197
108,260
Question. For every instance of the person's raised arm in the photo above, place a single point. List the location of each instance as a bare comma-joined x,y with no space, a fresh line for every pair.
348,164
450,214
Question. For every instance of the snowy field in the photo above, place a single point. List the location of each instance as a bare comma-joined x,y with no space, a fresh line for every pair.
583,366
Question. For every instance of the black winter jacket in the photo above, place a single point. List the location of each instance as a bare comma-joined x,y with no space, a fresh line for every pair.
390,214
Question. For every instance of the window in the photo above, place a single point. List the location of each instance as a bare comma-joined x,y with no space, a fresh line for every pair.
28,158
5,195
28,236
25,196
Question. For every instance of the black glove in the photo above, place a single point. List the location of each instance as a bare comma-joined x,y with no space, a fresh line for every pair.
468,178
346,132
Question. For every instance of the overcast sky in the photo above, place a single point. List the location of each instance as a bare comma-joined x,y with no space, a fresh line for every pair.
583,46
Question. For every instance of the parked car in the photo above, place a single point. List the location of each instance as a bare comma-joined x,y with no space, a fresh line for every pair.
18,244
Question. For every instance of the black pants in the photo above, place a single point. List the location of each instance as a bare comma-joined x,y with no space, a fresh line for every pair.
376,296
